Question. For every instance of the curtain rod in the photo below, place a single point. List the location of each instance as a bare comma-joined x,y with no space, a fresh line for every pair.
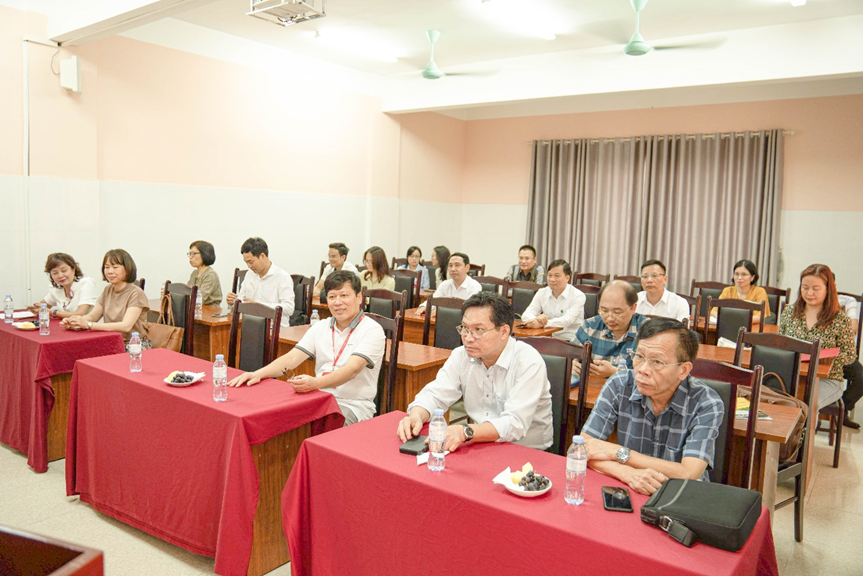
687,136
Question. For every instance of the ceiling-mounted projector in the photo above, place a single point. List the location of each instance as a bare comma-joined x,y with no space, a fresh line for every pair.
288,12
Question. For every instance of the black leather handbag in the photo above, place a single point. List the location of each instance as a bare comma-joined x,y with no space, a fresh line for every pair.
716,514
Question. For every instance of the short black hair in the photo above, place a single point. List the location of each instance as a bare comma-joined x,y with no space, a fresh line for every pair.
340,246
121,257
654,262
461,255
208,252
567,269
528,247
687,340
341,277
57,259
628,291
750,267
256,246
502,313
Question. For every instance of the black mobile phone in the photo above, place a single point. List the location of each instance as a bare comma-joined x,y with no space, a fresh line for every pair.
415,446
616,499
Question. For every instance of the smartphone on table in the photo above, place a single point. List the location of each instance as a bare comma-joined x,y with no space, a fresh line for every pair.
616,499
415,446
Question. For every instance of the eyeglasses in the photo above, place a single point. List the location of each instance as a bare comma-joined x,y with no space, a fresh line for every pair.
742,274
190,254
651,276
464,331
654,364
616,313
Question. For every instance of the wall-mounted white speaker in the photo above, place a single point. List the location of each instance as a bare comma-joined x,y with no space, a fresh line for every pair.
70,74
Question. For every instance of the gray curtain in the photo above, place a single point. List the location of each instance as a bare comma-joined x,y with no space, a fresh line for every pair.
698,203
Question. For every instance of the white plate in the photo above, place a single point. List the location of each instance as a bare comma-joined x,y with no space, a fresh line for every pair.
516,489
198,377
20,326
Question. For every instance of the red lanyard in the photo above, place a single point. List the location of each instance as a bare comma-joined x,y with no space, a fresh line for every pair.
350,333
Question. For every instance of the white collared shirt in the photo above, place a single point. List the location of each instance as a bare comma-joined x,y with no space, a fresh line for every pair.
670,306
367,340
850,306
514,394
448,289
275,288
565,311
84,291
347,267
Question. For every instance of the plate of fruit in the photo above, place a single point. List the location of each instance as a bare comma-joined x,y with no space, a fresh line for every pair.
527,483
179,378
25,325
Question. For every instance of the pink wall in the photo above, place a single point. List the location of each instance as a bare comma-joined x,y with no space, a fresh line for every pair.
431,157
823,167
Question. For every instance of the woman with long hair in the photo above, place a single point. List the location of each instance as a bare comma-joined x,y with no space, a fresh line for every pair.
440,258
377,274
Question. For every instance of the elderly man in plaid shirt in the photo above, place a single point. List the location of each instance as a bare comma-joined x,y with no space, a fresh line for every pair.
667,421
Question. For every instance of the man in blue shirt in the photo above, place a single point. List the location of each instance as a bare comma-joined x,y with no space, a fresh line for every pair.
667,421
613,331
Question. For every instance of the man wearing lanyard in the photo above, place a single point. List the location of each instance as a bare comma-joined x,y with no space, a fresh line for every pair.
347,349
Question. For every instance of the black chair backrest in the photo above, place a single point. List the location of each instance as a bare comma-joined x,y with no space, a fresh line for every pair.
386,303
140,282
302,299
591,299
732,315
859,298
259,340
239,276
491,284
522,295
590,278
387,375
558,356
183,307
634,281
432,275
399,262
409,281
780,355
706,289
775,298
476,269
448,314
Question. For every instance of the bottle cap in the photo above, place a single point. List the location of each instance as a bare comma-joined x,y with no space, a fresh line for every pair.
135,335
43,305
578,439
438,412
219,357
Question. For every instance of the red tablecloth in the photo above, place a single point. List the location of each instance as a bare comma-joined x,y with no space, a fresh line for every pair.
173,462
355,505
27,362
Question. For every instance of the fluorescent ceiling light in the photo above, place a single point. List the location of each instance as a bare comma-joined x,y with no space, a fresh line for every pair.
536,18
798,2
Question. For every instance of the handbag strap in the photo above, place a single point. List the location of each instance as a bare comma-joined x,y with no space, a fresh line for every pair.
166,312
677,530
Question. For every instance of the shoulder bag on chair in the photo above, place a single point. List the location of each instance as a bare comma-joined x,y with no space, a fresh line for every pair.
788,451
164,333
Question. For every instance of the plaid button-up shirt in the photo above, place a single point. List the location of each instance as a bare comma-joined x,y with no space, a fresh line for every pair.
687,428
606,346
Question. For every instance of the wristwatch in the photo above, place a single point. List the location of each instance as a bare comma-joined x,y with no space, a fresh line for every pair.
468,433
622,455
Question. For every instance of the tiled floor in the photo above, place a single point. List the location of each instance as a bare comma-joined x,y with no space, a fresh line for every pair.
833,537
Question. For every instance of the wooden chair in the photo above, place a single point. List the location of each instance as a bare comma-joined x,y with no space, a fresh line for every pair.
260,339
706,289
448,315
388,304
140,282
731,315
591,299
303,288
387,375
476,270
522,295
859,298
323,265
492,284
239,276
558,356
780,356
183,307
777,299
591,279
694,308
432,275
634,281
725,379
409,281
399,262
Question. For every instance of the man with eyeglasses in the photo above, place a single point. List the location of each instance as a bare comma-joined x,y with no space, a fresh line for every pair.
558,305
655,300
506,391
348,350
337,255
613,331
459,284
667,421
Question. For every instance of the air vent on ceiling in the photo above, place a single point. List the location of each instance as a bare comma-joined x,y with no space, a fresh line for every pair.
288,12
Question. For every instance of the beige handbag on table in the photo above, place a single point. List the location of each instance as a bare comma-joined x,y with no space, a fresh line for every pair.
165,333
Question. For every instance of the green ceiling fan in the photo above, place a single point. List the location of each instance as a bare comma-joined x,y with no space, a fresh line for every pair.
431,71
638,46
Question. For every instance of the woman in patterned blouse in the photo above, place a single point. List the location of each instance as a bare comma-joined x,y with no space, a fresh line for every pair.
816,314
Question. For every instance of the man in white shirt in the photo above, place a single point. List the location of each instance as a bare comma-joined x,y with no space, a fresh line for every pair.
337,256
853,372
348,350
559,304
459,284
267,284
655,300
503,381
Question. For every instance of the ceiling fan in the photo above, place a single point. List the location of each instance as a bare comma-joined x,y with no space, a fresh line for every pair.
638,46
433,72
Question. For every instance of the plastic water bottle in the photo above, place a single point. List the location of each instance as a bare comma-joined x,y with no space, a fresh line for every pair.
621,365
437,440
44,320
315,318
220,379
199,305
576,470
136,363
8,309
